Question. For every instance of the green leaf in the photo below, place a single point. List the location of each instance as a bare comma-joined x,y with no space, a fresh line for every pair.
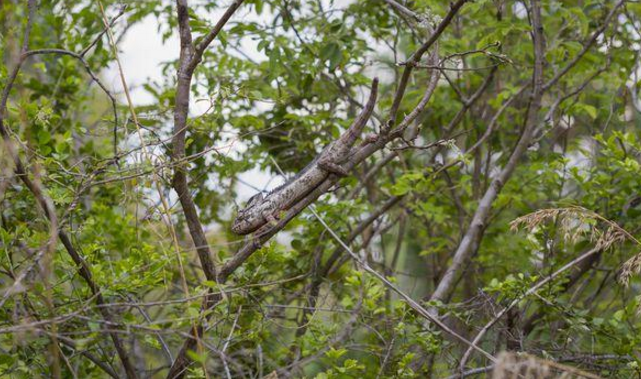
335,354
44,137
331,52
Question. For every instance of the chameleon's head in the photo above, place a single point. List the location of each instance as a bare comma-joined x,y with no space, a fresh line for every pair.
242,222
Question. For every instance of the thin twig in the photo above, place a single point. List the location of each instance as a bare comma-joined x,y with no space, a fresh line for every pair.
411,302
527,293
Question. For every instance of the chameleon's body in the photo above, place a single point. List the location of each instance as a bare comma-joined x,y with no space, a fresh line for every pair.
261,210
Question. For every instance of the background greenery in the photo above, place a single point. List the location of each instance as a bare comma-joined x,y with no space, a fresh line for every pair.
281,80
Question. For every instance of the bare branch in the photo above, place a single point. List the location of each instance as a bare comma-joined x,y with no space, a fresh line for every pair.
213,33
418,54
474,232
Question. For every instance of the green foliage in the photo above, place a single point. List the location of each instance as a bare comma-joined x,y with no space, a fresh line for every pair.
281,81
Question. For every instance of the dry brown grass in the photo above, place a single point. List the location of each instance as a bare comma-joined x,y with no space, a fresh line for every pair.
523,366
578,223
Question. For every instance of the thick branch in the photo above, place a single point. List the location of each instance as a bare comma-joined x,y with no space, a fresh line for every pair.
189,59
183,360
474,232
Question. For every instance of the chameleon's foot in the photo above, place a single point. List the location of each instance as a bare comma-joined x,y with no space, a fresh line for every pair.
271,218
371,138
333,168
261,232
272,222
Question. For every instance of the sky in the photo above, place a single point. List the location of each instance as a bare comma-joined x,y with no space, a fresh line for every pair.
141,54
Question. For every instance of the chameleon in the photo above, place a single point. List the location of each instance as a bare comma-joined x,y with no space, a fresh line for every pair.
263,210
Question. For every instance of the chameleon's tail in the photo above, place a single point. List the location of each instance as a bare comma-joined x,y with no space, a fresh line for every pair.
354,131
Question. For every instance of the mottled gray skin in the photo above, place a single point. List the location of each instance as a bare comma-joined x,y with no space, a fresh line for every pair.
262,210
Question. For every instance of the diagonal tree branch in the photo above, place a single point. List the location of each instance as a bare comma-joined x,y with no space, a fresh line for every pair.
200,48
586,47
527,293
190,57
475,230
418,54
180,184
183,360
474,233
